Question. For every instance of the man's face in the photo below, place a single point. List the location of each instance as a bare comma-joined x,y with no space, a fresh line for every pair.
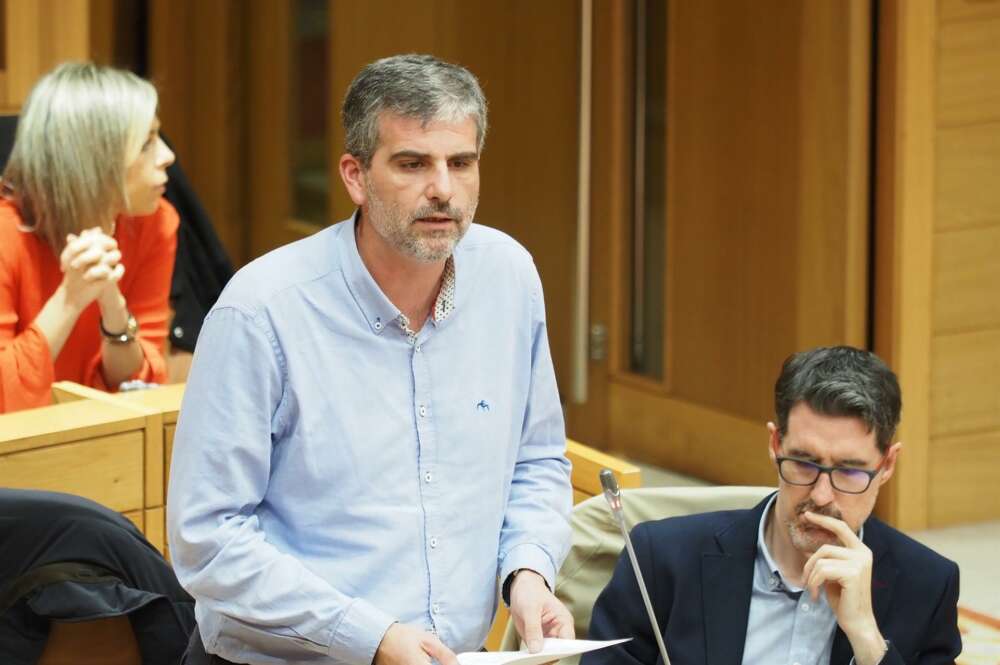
421,190
828,441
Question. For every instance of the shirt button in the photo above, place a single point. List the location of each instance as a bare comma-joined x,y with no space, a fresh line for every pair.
435,608
178,332
428,477
805,607
434,542
417,349
422,411
378,325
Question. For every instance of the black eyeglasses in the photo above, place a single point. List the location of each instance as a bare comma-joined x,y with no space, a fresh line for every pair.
844,479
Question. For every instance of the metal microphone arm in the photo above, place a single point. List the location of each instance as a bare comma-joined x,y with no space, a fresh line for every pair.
614,497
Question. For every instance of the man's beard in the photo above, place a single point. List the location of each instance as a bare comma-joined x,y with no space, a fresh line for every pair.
400,230
808,541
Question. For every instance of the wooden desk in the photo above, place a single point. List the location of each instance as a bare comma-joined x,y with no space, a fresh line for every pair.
94,448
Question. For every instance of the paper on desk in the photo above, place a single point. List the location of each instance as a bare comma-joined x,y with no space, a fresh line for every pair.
552,649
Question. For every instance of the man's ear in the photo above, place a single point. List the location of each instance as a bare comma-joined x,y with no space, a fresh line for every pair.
353,175
889,465
773,441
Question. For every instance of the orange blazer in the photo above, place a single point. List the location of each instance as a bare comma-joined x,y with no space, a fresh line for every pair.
30,274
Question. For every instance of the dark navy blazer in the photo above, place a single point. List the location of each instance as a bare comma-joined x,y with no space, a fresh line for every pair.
699,570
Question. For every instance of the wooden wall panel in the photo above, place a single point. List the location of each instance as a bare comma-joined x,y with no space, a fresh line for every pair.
968,168
968,10
963,479
967,279
965,351
196,61
965,383
732,203
968,89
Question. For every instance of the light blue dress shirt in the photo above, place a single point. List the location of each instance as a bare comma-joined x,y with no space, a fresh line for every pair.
785,624
331,476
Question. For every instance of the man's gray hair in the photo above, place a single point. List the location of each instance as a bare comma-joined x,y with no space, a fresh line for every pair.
841,381
80,128
412,86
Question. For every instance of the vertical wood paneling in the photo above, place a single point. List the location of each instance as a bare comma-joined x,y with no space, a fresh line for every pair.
39,34
965,352
963,479
904,238
196,60
967,168
965,380
734,139
967,280
968,88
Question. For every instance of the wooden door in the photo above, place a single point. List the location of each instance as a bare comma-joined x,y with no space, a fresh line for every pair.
765,225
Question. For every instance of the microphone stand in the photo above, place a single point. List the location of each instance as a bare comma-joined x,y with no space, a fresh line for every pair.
614,497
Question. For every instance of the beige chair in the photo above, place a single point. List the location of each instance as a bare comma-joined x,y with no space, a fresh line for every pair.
597,542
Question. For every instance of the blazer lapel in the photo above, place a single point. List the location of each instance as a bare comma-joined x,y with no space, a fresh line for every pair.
884,573
727,585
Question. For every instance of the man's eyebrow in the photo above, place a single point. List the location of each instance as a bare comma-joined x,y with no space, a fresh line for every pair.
413,154
850,462
408,154
801,454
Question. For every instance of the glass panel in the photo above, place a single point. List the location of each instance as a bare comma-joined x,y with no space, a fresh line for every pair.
309,111
649,176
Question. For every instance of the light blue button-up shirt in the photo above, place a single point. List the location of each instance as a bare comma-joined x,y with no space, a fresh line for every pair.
331,475
785,624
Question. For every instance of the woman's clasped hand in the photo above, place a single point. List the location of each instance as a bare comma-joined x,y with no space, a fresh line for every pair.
91,265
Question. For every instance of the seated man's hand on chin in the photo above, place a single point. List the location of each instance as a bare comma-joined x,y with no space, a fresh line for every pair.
406,645
537,613
845,572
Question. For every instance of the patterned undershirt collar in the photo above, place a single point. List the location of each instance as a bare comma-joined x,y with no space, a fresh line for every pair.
444,305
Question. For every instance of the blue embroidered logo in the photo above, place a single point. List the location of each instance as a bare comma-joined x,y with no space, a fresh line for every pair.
483,405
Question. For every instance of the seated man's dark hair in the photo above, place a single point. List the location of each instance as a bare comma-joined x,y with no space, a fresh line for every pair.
841,381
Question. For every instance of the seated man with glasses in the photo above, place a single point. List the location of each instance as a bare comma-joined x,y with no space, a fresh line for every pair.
808,576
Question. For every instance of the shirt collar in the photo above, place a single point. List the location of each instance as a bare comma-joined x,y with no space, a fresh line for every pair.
376,307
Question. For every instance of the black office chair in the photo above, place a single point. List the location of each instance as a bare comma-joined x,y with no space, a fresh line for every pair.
201,269
79,583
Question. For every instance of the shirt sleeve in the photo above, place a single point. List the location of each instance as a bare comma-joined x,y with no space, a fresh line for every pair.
257,597
148,297
536,531
26,366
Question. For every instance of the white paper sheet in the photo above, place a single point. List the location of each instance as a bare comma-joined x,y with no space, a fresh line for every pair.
552,649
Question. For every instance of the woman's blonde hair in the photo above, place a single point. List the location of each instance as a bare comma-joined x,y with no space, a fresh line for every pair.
80,128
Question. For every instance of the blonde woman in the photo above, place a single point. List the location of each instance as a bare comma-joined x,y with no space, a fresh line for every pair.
87,242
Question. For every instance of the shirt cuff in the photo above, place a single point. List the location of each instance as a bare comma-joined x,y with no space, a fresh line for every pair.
531,557
359,633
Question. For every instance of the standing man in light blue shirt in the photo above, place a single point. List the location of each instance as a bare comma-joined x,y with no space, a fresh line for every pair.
371,435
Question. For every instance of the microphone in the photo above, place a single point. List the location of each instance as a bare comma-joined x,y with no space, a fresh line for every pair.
614,497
